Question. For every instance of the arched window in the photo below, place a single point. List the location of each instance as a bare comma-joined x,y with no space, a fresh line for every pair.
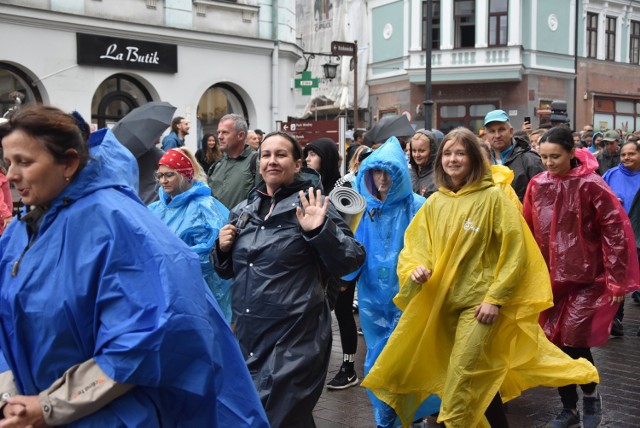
16,88
115,97
218,100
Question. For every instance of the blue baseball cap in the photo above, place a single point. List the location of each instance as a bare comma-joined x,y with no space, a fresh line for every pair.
496,116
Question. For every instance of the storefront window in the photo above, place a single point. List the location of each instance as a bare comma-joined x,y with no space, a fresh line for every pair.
115,97
616,114
452,111
217,101
468,115
16,89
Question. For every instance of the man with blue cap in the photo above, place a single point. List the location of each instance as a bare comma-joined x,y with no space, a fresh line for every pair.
513,152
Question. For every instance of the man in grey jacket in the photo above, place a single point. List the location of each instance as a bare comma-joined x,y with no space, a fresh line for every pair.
514,153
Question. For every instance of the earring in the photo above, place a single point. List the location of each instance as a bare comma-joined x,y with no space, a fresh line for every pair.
67,179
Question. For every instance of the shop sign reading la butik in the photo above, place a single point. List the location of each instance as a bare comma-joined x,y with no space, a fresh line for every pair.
125,53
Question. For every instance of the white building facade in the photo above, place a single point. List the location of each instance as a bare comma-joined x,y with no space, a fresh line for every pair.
104,58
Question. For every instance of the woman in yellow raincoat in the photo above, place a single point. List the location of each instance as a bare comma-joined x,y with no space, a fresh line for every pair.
473,283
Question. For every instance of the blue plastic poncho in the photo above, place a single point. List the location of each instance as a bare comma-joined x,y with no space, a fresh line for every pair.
196,217
381,231
105,279
624,183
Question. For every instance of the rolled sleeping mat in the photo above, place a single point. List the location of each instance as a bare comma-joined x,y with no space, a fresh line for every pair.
350,204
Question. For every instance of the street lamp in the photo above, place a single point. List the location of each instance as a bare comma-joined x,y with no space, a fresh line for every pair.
339,49
330,70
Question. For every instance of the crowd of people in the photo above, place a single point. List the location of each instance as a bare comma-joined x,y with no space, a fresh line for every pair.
209,303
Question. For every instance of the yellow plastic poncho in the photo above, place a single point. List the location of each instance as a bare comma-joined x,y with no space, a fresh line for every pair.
503,177
479,249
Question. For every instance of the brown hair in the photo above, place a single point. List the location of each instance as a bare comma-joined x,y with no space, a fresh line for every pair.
477,161
211,155
175,122
56,130
296,148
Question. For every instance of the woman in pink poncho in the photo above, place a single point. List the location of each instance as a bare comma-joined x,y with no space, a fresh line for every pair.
586,239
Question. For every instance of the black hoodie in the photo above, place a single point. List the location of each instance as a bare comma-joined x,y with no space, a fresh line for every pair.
329,170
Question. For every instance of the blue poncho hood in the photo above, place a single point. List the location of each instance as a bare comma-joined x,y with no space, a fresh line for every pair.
391,158
381,231
196,217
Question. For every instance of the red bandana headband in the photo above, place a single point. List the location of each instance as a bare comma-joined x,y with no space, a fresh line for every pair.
176,160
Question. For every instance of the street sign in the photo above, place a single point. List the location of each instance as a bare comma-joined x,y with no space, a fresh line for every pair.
343,49
306,83
310,126
306,131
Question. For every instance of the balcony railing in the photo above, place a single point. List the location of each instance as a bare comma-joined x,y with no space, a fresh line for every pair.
461,58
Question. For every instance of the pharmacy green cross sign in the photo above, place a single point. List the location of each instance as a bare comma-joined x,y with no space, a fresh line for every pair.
306,83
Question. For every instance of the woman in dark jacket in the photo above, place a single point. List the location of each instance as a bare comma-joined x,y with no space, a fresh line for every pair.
280,246
422,154
322,156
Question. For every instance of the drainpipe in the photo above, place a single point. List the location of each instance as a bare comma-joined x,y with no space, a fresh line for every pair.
275,66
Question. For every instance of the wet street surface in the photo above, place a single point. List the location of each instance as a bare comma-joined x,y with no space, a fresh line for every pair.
618,363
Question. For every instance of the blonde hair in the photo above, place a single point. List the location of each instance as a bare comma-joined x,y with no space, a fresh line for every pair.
353,163
198,172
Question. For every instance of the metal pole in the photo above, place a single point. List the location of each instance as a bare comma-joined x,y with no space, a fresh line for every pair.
428,102
356,118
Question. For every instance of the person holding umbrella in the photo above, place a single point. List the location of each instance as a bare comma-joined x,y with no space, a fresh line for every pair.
188,209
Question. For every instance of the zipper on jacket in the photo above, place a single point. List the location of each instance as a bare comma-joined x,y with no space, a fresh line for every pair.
16,264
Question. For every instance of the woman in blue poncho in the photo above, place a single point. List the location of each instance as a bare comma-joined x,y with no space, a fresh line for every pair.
188,209
384,180
105,320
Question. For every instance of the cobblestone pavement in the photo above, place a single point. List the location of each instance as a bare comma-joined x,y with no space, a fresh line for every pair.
618,363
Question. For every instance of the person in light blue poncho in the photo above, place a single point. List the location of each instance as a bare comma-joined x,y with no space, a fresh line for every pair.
384,180
188,209
105,319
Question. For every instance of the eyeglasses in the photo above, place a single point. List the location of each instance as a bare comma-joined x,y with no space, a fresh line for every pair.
168,175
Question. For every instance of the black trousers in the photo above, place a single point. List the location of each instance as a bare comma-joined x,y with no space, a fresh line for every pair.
346,322
495,413
569,393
